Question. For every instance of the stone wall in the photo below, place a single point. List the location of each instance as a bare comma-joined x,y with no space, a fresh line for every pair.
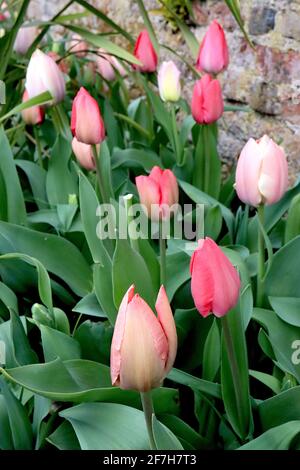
266,78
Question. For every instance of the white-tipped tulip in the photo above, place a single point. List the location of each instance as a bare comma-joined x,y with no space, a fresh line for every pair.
43,74
169,82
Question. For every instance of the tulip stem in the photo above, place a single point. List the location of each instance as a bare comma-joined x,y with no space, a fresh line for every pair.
101,185
38,146
148,412
162,253
261,258
176,144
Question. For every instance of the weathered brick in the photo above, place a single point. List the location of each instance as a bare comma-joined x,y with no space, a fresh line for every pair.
262,20
290,25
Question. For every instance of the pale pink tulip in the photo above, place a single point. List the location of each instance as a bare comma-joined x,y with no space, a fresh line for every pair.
24,39
215,282
43,74
84,154
213,54
262,172
77,46
33,115
144,345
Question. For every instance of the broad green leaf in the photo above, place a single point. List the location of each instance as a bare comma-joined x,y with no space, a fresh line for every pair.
21,346
60,181
6,440
64,437
234,374
15,206
283,277
135,158
213,222
55,253
278,438
284,339
163,437
212,353
204,386
292,227
108,426
18,419
103,286
184,432
8,297
38,100
287,308
95,341
57,344
280,409
41,409
80,380
268,380
37,180
44,284
89,305
130,268
179,263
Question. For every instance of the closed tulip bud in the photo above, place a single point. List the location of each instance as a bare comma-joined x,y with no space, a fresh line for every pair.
33,115
144,345
107,66
4,14
207,101
159,193
77,46
213,55
86,121
262,172
215,282
169,82
43,74
24,39
84,154
145,53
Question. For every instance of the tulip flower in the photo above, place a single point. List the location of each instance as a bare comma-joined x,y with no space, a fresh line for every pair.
43,74
158,193
262,172
33,115
144,345
213,54
169,82
215,282
207,101
78,46
86,121
84,154
24,39
5,14
107,66
145,53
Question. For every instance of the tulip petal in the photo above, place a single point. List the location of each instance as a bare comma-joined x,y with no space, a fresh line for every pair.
115,356
169,192
225,278
149,193
273,181
202,283
165,316
144,348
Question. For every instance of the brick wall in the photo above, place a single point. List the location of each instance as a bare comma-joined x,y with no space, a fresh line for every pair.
266,78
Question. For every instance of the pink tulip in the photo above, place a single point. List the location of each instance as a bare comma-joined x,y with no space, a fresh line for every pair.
158,193
42,75
213,54
144,345
24,39
169,81
84,154
215,282
86,121
77,46
107,66
207,101
145,53
5,14
262,172
33,115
